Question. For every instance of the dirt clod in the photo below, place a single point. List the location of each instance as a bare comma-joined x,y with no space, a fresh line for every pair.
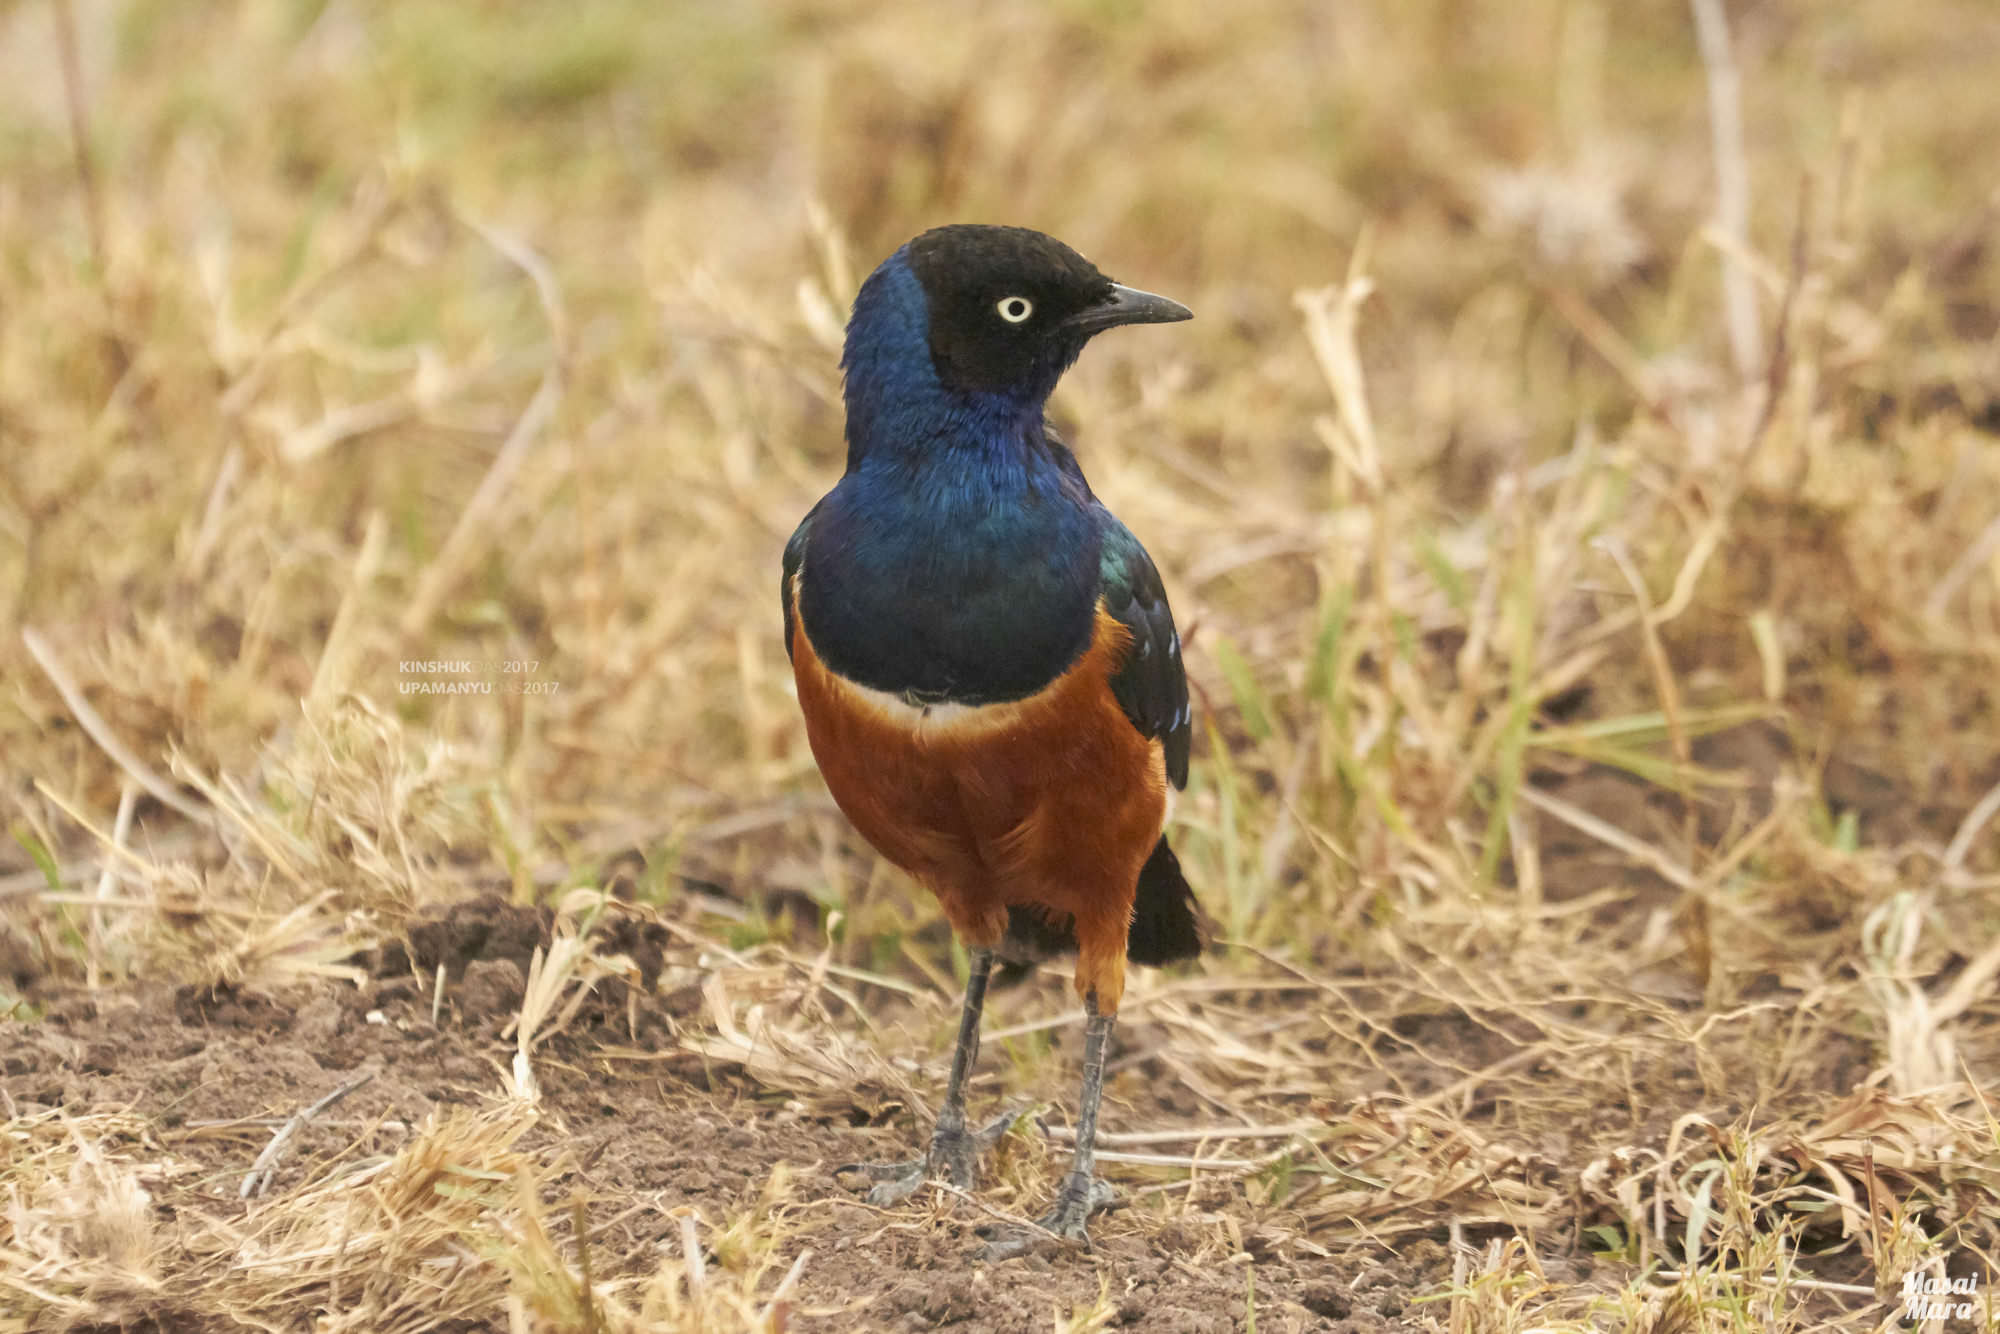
491,987
1325,1298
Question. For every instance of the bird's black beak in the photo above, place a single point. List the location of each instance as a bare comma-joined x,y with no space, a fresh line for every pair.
1126,305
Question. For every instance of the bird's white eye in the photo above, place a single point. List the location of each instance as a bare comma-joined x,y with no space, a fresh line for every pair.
1015,309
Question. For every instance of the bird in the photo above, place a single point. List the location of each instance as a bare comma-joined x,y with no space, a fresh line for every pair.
988,669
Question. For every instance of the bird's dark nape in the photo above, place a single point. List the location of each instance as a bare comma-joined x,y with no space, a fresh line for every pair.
1166,924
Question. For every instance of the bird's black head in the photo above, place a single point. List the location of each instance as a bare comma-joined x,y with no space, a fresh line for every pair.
1010,308
965,331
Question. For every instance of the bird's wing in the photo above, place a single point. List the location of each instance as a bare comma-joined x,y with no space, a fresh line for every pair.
795,554
1151,684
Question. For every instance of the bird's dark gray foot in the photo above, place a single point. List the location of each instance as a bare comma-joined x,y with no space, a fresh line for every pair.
1078,1201
1083,1193
953,1157
1081,1197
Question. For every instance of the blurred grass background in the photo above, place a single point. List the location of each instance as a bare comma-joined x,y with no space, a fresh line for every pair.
1534,621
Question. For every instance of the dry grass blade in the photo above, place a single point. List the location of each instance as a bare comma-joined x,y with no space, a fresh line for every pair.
1332,317
1732,175
560,978
89,719
258,1180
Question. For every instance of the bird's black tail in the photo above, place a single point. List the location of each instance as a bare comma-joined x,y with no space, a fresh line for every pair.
1166,923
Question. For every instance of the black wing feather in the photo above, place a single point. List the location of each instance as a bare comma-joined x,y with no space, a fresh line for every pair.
1151,685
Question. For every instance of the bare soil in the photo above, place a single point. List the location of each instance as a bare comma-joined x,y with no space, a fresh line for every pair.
211,1075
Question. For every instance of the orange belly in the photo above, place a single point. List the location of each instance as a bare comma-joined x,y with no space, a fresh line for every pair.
1053,801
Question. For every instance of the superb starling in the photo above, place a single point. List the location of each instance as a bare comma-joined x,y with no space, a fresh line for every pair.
989,672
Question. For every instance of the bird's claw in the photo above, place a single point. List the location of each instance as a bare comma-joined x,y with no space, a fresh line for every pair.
953,1157
1074,1208
1066,1221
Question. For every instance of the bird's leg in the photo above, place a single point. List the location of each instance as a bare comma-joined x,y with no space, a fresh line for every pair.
954,1152
1083,1191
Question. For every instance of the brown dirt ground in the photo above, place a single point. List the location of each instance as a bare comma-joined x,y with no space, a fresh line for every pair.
211,1073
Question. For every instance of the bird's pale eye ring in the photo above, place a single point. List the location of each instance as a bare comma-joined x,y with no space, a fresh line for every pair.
1015,309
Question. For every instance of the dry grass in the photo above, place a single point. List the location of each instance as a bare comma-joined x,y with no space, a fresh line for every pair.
1601,786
